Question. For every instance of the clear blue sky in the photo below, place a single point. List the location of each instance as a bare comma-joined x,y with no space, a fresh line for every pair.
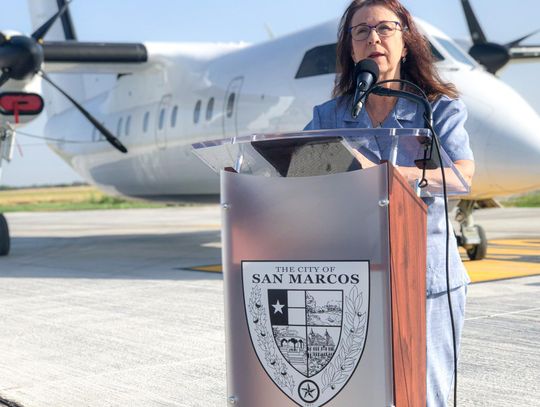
244,20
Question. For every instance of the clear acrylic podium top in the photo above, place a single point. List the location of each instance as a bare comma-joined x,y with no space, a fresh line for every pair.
325,152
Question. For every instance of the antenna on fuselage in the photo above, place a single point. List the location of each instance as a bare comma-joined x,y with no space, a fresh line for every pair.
269,31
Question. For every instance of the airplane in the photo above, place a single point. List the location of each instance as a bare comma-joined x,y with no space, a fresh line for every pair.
125,115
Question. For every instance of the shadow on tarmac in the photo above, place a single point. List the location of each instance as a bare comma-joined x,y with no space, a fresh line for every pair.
142,256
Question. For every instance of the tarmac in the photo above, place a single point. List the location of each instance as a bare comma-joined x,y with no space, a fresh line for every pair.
104,308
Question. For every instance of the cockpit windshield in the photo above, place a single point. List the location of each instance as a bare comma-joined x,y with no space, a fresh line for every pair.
456,52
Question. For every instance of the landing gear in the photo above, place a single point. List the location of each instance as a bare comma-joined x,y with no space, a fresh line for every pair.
473,237
478,251
4,236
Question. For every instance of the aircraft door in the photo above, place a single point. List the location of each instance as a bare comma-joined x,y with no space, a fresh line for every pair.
162,124
230,107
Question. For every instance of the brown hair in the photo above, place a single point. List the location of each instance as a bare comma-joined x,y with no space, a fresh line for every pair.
418,67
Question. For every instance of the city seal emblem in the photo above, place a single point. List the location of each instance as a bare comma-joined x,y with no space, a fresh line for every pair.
308,323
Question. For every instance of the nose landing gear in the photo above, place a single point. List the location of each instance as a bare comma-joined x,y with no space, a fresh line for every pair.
475,242
473,237
4,236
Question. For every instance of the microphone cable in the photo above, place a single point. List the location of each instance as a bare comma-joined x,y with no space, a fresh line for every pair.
447,266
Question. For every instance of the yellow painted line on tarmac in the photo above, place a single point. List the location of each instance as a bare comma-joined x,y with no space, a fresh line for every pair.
505,259
215,268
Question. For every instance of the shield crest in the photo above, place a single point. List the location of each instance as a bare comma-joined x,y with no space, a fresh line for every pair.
308,323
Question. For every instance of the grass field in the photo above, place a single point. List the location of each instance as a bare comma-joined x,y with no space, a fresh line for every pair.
530,200
64,199
86,197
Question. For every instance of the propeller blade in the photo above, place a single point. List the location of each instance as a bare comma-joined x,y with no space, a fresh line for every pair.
515,43
106,133
40,33
477,35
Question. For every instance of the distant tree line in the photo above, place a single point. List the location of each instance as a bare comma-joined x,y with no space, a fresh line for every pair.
73,184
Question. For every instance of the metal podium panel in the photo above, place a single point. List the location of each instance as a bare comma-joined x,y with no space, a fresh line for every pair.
312,221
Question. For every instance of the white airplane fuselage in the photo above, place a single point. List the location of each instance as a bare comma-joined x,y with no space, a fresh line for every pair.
255,90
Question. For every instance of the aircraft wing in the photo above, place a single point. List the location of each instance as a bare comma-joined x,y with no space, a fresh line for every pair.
93,57
71,53
123,58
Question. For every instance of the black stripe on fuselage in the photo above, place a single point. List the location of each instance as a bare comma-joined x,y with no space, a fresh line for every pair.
67,23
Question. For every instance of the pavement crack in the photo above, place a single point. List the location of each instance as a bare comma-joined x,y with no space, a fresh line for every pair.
502,314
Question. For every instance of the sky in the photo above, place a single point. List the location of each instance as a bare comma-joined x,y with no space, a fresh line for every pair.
246,20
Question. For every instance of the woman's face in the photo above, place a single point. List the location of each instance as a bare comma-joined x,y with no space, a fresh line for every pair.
385,51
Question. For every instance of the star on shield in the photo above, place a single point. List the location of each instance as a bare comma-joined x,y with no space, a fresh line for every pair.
308,391
278,307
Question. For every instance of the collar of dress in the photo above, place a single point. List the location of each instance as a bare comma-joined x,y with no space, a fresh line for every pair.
404,111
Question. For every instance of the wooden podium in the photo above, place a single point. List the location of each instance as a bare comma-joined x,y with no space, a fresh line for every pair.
407,246
324,268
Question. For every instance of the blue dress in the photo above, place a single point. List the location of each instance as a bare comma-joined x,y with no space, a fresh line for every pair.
449,116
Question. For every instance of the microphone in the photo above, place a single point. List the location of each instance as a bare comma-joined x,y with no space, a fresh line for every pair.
366,73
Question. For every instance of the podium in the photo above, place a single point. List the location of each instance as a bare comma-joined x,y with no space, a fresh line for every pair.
324,258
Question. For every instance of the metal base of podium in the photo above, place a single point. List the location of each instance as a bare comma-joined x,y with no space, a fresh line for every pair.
340,217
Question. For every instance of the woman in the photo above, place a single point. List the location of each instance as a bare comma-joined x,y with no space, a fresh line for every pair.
384,31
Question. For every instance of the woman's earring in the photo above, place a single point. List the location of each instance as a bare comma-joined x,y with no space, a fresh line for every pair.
403,59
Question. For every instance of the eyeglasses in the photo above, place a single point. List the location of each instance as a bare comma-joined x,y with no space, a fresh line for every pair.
361,32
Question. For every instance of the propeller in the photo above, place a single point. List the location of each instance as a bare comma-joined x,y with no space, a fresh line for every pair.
518,41
40,33
21,58
106,133
492,55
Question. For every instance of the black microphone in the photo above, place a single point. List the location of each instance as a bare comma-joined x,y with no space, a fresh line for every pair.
366,73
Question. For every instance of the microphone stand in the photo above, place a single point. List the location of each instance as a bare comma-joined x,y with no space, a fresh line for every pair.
382,91
427,162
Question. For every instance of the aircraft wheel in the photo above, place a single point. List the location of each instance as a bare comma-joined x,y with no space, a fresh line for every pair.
479,251
459,239
4,236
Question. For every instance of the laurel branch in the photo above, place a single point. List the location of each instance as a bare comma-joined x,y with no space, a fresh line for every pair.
280,368
339,370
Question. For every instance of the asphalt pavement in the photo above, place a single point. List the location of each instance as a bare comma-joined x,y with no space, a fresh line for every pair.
100,308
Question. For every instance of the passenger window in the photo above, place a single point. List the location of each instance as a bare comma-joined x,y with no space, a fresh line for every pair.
119,127
128,125
210,109
161,118
173,116
318,61
197,112
230,104
145,121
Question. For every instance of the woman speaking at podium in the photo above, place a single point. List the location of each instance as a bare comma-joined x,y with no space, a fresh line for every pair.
384,31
